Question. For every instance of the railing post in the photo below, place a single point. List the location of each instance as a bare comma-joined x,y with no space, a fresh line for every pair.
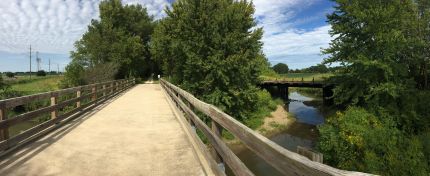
217,130
4,133
111,87
104,90
94,93
78,94
54,101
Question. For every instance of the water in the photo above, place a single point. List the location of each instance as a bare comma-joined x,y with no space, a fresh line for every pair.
308,112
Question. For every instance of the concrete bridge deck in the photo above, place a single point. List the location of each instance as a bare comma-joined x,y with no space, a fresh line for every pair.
138,133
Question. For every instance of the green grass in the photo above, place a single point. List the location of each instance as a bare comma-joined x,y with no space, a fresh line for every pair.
27,86
299,76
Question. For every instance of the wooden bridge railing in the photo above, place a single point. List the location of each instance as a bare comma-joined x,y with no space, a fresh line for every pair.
285,161
81,98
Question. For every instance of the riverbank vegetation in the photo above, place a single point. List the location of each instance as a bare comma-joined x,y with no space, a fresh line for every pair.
383,50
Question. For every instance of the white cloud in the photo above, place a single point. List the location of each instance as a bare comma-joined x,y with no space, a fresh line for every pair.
52,26
282,41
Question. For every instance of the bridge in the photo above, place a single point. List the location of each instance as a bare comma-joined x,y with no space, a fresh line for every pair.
120,128
283,85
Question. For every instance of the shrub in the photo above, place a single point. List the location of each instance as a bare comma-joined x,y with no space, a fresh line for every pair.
359,140
41,73
10,74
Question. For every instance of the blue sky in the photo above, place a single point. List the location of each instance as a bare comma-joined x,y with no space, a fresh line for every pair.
294,30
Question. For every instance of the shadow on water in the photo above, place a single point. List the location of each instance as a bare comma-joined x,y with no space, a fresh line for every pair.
308,113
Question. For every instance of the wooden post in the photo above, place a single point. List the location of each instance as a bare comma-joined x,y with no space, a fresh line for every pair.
78,94
104,90
4,133
54,101
111,87
310,154
217,130
94,93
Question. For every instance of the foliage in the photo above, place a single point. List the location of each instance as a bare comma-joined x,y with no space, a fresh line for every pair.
213,50
281,68
101,72
10,74
121,36
41,73
359,140
74,75
382,48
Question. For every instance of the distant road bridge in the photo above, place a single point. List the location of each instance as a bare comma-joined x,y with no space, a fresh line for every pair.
283,85
119,128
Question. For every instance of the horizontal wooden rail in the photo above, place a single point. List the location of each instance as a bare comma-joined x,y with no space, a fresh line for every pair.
231,159
108,89
285,161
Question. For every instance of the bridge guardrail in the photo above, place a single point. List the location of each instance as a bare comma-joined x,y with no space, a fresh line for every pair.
285,161
95,93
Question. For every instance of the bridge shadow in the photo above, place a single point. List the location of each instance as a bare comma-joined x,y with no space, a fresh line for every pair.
20,155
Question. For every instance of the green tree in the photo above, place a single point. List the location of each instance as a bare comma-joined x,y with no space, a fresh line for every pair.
10,74
212,48
120,36
281,68
41,73
380,47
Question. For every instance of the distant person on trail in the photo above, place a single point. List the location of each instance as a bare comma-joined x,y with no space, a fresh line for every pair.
158,76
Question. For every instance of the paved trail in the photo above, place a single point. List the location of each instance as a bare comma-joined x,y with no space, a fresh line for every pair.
136,134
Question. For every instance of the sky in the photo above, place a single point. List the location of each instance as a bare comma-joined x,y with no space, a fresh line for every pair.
294,30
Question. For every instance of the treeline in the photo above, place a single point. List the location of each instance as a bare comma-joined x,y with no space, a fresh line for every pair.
383,49
282,68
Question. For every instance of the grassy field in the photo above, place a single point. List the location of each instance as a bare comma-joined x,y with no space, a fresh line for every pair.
299,76
26,86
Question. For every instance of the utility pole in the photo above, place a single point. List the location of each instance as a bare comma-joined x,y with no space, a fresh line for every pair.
30,61
58,69
38,61
49,66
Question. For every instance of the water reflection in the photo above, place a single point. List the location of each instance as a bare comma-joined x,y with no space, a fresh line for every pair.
305,113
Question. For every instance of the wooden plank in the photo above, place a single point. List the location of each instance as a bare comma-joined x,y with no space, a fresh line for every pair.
285,161
229,157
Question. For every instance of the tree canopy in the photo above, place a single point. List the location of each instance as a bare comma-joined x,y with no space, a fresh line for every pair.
212,48
121,36
281,68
